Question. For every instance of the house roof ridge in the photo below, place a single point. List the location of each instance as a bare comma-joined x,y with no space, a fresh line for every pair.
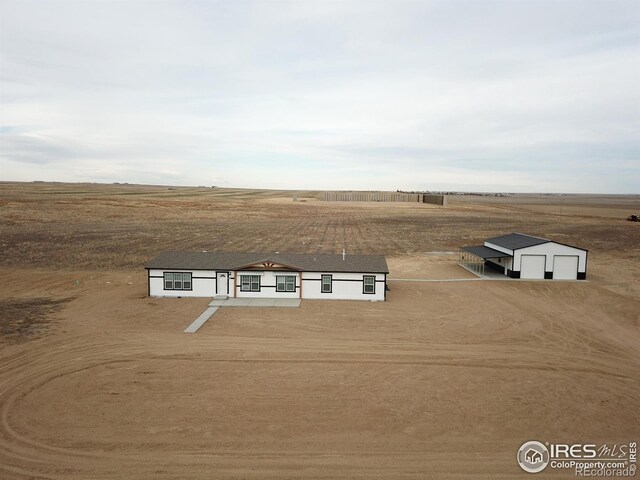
212,260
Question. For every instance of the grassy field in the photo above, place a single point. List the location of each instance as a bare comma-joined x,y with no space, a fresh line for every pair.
444,380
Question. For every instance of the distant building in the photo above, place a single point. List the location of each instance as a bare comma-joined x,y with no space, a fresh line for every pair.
524,256
268,275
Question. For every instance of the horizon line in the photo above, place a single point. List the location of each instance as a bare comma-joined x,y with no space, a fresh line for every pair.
213,187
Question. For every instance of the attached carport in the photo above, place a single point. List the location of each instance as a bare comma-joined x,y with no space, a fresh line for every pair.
474,258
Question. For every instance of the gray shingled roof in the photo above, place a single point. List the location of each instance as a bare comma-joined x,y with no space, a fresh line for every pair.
306,262
514,241
485,252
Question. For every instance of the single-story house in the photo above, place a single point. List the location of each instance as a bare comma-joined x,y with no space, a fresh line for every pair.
268,275
524,256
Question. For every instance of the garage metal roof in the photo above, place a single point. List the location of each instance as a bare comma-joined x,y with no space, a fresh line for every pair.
514,241
485,252
304,262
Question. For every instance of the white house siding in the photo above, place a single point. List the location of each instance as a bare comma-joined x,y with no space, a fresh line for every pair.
203,284
267,285
549,250
345,286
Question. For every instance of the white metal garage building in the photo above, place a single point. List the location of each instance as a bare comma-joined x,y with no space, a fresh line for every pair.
523,256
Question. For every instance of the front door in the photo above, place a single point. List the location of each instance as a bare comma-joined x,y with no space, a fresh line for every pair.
222,284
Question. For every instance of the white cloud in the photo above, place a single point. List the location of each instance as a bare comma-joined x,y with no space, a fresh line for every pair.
493,95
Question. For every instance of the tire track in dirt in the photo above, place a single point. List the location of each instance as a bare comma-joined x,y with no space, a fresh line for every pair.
16,450
553,346
23,455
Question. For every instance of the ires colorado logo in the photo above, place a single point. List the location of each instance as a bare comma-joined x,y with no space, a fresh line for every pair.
586,460
533,457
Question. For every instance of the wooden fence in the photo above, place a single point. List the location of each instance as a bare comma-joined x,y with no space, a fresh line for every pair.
433,199
382,197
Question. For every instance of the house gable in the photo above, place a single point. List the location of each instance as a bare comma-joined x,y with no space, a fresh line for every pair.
269,265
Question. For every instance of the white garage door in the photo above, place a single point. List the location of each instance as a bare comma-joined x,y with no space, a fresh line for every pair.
565,267
532,266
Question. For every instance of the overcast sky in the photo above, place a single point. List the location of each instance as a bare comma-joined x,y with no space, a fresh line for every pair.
521,96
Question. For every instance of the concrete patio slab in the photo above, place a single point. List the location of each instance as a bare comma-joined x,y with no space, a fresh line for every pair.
256,302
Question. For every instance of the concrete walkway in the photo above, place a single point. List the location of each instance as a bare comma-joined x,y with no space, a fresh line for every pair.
206,315
220,301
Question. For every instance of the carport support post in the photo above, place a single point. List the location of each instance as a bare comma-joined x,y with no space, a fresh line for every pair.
300,277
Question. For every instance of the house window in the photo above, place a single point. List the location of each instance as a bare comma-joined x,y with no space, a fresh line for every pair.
177,281
326,284
369,284
249,283
285,283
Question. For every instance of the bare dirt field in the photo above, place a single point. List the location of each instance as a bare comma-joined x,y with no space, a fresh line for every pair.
444,380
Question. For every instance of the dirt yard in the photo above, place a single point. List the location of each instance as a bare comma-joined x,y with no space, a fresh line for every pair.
444,380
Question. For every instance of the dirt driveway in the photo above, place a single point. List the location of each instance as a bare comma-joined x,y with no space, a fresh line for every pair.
445,380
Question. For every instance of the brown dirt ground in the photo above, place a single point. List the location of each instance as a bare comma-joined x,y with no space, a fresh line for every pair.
445,380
